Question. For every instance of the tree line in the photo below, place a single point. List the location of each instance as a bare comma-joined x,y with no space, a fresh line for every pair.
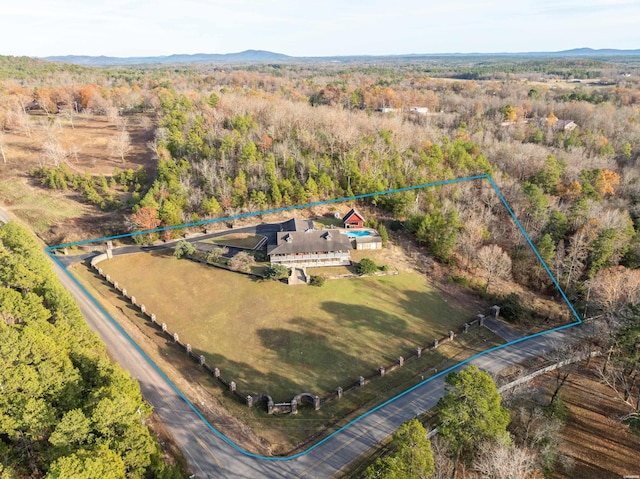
65,410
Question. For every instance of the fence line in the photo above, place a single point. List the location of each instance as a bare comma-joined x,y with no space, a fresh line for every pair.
284,407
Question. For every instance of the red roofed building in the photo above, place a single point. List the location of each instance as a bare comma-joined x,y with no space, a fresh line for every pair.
353,219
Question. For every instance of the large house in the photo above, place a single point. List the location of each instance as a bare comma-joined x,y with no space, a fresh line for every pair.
300,245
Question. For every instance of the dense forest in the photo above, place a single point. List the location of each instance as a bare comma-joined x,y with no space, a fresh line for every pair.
65,409
560,138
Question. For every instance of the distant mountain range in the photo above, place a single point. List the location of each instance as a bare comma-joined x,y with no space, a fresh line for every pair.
248,56
262,56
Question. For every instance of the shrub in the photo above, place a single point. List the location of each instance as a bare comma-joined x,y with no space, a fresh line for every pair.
184,248
215,254
396,225
316,280
276,272
242,261
511,308
366,266
371,223
384,235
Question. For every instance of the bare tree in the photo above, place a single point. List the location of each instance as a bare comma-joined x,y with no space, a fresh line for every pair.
576,257
54,151
120,144
23,122
563,356
615,288
500,461
495,262
471,236
443,463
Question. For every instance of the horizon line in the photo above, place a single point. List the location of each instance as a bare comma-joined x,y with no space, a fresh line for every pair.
585,49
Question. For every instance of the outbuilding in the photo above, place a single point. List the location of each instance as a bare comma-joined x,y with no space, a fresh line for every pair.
353,219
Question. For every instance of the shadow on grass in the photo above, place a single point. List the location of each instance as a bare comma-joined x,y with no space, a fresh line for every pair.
312,357
163,252
250,380
433,308
366,319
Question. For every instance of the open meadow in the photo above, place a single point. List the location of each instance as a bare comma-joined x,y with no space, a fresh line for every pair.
280,339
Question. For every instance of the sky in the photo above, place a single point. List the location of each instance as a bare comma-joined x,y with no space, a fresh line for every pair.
128,28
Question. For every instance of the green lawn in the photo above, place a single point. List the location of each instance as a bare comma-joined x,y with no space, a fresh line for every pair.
326,222
239,240
270,337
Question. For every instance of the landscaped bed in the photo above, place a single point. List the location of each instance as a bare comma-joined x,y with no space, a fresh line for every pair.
270,337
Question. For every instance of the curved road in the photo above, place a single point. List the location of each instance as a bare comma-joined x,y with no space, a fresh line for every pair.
210,455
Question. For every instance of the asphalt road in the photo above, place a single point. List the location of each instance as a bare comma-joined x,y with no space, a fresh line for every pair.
210,455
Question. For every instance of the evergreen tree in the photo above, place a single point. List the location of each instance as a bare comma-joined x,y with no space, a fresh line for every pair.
470,413
412,458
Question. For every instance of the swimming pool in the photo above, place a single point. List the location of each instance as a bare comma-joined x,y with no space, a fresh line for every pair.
359,234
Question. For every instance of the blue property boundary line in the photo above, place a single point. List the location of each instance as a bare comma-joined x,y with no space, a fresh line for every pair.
578,321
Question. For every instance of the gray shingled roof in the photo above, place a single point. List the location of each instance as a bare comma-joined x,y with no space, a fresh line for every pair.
310,241
294,224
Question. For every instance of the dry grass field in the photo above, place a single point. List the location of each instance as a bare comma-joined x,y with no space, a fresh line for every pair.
270,337
283,434
58,216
